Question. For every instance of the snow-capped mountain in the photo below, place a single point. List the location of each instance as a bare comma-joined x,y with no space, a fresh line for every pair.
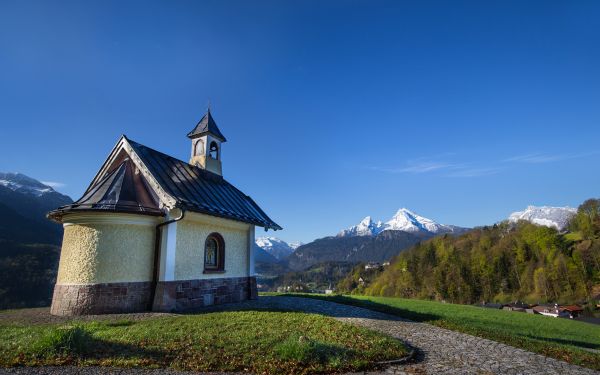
295,245
274,246
554,217
24,203
404,220
367,227
408,221
23,184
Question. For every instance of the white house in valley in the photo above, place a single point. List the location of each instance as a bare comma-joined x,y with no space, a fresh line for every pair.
152,232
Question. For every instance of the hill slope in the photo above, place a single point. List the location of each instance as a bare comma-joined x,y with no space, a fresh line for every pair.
500,263
354,249
370,241
29,243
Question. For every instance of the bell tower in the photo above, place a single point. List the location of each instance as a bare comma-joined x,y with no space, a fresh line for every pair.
206,144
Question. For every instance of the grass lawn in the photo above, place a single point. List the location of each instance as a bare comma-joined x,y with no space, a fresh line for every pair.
562,339
256,341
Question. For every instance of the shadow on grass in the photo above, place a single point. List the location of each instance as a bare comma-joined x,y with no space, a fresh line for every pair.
78,342
279,304
375,306
578,344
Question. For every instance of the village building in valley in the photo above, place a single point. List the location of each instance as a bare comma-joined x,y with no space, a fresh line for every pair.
152,232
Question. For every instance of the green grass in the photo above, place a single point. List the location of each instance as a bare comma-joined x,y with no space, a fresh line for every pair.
567,340
245,341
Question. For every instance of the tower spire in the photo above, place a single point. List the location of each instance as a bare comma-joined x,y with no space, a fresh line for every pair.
206,144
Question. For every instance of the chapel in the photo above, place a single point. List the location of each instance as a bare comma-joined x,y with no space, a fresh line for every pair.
154,233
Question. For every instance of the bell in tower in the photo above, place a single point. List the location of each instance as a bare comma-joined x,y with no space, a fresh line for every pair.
206,145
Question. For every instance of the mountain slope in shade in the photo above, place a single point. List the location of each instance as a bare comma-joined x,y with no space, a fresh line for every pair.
277,248
404,220
261,256
354,249
24,184
554,217
29,243
24,203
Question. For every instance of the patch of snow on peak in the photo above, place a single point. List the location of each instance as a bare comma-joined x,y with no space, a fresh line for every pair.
365,228
408,221
295,245
553,217
23,184
404,220
274,246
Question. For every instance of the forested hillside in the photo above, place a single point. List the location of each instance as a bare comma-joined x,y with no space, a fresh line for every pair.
498,263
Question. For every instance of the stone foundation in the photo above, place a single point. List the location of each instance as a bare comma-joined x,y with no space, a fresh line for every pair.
183,295
118,298
91,299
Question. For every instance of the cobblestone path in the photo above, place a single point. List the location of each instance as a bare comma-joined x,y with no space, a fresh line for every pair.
440,351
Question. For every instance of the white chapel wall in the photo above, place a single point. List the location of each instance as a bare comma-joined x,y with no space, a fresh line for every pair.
192,232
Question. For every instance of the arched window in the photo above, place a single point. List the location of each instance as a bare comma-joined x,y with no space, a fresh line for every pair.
214,253
214,150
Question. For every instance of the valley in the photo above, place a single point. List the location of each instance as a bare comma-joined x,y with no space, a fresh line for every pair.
539,254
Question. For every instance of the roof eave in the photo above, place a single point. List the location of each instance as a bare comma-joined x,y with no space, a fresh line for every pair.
273,225
193,134
58,214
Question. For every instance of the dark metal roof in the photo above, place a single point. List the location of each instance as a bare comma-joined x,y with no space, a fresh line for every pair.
121,190
207,125
199,190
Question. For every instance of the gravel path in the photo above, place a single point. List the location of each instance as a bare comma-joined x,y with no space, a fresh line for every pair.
439,351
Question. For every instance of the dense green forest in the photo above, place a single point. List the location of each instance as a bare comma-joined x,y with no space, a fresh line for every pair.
497,263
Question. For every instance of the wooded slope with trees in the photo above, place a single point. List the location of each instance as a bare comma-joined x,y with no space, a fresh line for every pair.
499,263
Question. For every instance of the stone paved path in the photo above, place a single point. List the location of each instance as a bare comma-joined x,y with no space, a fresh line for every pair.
440,351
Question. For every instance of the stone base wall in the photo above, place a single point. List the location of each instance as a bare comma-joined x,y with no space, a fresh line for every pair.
183,295
118,298
110,298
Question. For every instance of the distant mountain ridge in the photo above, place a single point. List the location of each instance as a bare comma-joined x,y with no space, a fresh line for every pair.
354,249
24,203
404,220
29,243
371,241
24,184
274,246
553,217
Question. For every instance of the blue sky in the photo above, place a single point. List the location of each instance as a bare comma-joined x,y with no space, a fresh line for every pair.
334,110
